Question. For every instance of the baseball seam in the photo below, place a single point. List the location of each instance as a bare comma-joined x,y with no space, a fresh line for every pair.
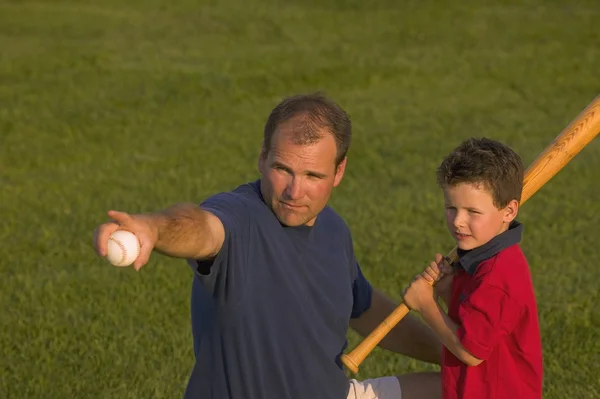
123,249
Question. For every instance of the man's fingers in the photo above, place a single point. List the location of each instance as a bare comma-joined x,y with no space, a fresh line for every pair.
144,256
119,217
104,231
101,235
97,246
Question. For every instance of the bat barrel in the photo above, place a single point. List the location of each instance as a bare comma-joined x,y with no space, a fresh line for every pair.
578,134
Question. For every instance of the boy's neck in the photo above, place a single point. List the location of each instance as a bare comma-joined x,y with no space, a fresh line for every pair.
504,228
470,259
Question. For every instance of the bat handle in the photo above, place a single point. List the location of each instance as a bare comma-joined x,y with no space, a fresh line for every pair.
353,359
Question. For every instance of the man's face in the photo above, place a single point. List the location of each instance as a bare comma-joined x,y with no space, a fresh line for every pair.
297,180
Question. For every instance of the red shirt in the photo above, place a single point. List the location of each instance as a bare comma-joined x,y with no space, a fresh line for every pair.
493,303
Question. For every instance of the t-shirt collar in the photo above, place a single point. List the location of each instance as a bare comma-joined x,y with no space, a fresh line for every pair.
469,260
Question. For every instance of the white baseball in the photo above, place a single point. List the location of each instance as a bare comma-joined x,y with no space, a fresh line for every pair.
123,248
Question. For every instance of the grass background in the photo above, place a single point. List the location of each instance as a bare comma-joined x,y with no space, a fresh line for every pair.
136,105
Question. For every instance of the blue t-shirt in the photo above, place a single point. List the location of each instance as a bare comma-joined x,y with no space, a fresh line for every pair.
270,313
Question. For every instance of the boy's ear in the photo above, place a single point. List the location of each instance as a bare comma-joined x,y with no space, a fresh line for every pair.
510,211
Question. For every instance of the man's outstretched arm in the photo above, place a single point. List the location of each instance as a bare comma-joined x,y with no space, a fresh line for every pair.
182,231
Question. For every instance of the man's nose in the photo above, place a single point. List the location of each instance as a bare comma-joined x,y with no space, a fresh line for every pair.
294,189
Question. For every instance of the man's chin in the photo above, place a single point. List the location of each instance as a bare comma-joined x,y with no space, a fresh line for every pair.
291,219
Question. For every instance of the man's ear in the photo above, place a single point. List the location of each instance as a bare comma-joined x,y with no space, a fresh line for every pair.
262,157
339,172
510,211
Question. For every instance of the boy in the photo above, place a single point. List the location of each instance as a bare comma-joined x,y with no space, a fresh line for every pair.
491,336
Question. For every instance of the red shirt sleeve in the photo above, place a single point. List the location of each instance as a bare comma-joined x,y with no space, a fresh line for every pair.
486,315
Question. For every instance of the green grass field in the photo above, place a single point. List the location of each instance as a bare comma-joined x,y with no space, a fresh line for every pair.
136,105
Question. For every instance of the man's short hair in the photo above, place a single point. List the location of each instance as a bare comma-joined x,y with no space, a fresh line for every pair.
488,162
316,111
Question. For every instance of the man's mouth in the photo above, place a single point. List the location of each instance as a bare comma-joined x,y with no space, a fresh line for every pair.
290,206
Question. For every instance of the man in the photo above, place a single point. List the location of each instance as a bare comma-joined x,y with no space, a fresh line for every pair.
276,283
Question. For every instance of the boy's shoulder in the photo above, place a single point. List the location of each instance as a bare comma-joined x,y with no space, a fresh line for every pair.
500,263
508,270
509,261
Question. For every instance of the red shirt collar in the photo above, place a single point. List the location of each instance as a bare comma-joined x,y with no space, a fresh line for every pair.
469,260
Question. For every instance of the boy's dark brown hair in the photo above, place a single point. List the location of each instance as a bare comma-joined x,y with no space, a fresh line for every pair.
488,162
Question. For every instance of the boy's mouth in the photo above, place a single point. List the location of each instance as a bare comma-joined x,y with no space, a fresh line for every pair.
460,236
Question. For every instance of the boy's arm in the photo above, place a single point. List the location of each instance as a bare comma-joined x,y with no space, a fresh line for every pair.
446,329
441,272
486,316
420,297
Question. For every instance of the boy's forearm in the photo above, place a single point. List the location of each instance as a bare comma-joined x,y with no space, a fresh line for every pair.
446,329
182,230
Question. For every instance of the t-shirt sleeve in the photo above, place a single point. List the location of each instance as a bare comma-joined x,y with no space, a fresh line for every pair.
487,315
224,273
361,292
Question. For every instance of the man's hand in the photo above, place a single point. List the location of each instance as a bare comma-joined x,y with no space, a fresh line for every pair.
140,225
180,231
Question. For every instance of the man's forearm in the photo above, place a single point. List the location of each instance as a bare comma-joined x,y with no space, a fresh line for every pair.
413,338
183,231
410,337
446,329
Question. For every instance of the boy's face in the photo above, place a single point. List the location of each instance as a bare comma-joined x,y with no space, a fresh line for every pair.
471,216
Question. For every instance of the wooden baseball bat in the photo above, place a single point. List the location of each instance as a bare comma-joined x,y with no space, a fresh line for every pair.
579,133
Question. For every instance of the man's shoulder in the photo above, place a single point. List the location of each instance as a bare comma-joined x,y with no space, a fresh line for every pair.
247,191
333,220
241,195
238,207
